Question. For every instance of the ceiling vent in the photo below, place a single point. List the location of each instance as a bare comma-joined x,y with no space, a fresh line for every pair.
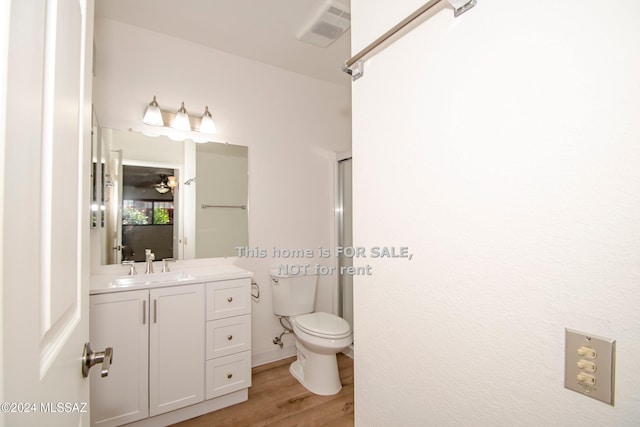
333,20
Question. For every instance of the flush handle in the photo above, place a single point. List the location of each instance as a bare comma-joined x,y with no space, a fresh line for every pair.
90,358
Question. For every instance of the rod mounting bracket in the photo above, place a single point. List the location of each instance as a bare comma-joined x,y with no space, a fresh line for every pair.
461,6
355,71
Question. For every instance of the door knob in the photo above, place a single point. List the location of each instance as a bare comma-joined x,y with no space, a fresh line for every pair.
90,358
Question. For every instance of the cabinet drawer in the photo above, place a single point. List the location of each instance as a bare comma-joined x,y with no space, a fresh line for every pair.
228,336
228,298
228,374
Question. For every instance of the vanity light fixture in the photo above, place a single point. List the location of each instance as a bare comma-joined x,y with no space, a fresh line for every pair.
180,125
206,123
153,115
181,122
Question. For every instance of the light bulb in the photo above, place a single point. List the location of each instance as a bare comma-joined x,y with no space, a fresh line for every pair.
181,122
153,115
206,124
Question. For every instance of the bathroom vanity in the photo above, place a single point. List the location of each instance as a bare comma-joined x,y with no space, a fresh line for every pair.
181,344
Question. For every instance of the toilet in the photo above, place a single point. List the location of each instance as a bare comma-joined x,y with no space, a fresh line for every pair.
319,336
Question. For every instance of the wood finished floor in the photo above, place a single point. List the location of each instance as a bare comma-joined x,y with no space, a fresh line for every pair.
276,398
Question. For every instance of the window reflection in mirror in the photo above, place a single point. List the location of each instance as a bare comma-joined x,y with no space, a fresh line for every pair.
212,174
147,213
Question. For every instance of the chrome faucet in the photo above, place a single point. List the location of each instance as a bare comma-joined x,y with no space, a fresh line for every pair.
132,267
149,257
165,264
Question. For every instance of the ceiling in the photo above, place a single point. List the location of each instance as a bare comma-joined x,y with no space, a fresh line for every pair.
262,30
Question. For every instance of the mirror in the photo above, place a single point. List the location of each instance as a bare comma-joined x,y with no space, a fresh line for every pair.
207,201
97,173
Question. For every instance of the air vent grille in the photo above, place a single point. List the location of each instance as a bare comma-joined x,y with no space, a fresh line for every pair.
331,23
324,29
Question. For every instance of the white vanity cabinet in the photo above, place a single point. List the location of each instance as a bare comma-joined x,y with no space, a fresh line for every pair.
120,320
179,351
228,339
157,339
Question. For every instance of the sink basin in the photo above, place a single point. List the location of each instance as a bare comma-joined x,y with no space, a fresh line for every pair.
149,279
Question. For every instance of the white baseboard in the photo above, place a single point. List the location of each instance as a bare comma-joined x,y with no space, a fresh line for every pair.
279,354
272,355
193,411
349,351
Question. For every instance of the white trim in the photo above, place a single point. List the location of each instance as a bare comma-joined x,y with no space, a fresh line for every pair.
349,351
272,355
193,411
5,12
343,155
46,162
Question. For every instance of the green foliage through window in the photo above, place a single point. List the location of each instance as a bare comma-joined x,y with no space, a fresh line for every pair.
161,216
147,212
133,216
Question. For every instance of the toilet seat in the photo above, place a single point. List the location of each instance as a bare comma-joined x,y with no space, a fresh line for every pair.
323,325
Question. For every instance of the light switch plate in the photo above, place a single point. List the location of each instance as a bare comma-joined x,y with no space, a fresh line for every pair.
589,367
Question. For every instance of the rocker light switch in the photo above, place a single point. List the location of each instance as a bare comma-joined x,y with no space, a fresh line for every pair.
589,366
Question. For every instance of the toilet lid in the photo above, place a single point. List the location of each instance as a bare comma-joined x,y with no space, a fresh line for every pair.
323,325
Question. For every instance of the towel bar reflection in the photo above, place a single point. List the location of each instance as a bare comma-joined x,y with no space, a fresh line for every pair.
203,206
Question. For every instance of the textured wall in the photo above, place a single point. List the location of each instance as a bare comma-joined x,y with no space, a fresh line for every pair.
503,148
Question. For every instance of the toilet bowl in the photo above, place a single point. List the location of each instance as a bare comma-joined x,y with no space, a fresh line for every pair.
319,336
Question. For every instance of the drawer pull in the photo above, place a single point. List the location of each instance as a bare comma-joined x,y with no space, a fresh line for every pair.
230,299
229,375
229,337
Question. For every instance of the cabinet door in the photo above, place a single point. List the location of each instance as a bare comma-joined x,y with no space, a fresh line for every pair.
176,348
120,320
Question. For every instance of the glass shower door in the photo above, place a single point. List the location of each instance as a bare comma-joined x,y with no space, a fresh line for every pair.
345,237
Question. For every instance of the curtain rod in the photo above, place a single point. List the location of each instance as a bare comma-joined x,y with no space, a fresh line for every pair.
459,7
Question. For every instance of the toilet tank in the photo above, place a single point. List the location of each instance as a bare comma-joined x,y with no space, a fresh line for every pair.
293,294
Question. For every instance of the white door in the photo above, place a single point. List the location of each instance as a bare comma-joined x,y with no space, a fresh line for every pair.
45,75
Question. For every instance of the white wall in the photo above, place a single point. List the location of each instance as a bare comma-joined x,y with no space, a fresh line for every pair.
292,125
503,148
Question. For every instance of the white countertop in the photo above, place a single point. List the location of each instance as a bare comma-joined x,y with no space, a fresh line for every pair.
106,283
